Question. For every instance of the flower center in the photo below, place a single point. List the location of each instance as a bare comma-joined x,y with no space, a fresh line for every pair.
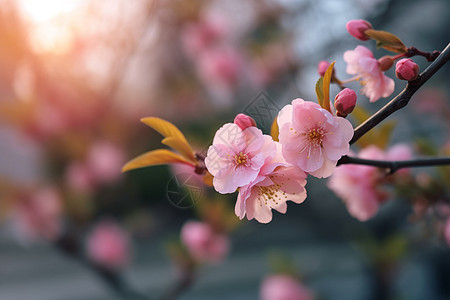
269,194
315,136
241,159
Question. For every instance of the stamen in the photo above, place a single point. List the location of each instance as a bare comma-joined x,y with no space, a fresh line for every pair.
241,159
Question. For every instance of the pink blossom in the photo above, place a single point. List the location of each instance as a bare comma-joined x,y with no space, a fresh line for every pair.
406,69
271,191
362,63
356,28
244,121
203,243
108,245
312,138
277,183
284,287
236,156
38,215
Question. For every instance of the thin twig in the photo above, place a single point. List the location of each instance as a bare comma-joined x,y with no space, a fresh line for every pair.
402,99
393,166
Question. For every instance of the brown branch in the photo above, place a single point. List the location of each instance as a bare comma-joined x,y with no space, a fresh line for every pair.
402,99
393,166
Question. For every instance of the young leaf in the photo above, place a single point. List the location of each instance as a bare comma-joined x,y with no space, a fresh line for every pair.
326,87
154,158
319,91
168,130
274,130
387,40
180,146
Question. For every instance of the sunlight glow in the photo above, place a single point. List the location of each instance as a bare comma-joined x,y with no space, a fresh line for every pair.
50,24
44,10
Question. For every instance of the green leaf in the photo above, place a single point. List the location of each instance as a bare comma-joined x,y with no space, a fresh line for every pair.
387,40
319,91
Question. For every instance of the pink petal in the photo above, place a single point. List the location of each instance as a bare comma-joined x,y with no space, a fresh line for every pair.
285,115
326,170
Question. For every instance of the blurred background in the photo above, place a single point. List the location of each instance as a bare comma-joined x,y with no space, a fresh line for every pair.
77,75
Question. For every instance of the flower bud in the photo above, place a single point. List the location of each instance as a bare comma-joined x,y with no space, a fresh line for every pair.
385,63
322,67
244,121
345,102
356,28
406,69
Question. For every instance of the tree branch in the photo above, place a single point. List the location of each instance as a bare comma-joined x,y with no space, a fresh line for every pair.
402,99
393,166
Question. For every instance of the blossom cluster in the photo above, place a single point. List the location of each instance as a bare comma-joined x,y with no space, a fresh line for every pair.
269,173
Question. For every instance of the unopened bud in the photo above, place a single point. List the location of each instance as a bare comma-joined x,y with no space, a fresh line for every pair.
322,67
406,69
385,63
345,102
244,121
356,28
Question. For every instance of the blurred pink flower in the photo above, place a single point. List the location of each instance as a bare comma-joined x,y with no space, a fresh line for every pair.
322,67
312,138
362,63
270,63
38,215
430,100
103,165
203,243
284,287
202,35
358,185
105,161
400,152
447,231
78,177
220,67
108,245
236,156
